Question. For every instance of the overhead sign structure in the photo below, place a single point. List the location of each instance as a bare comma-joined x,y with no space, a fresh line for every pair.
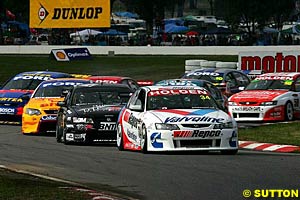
69,14
270,61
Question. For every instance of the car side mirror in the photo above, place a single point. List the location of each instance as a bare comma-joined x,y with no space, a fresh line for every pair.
61,103
137,108
25,98
241,88
64,93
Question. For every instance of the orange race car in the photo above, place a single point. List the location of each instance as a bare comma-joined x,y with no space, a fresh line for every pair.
39,115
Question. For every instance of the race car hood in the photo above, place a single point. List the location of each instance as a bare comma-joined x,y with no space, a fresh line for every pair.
13,95
44,103
97,110
257,95
191,116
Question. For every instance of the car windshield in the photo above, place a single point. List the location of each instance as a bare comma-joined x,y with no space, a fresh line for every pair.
180,100
270,85
100,96
55,89
21,84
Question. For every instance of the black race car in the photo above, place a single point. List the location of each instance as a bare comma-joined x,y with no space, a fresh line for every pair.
89,113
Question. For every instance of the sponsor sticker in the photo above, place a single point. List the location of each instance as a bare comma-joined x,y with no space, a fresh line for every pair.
247,108
197,133
61,84
69,14
153,138
176,92
204,74
49,118
7,111
107,126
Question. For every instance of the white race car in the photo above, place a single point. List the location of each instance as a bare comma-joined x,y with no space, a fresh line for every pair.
269,97
169,118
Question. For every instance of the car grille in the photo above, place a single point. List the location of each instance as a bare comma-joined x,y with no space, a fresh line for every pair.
245,115
195,125
47,127
51,112
247,103
197,143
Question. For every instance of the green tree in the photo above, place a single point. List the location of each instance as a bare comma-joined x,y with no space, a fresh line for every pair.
254,13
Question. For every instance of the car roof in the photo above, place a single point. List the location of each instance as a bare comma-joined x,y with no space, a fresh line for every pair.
182,80
216,70
281,74
112,78
104,85
66,80
52,74
159,87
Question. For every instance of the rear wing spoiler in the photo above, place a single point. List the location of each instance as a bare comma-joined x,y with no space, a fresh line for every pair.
145,82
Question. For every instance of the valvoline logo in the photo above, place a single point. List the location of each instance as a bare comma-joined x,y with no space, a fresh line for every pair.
155,143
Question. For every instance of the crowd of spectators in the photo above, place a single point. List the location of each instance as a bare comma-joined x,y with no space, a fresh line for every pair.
62,37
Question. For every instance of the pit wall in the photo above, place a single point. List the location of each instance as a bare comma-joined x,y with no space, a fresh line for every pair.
149,50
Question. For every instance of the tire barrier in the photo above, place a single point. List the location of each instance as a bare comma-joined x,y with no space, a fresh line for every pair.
226,65
208,64
191,65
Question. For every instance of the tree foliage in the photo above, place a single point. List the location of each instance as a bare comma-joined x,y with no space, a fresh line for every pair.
254,13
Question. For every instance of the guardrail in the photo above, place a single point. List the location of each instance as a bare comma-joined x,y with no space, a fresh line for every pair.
147,50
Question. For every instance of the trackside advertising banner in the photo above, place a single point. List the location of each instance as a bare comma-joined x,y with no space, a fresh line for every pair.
69,14
71,54
270,61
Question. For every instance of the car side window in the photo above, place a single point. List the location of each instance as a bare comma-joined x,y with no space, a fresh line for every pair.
229,79
297,85
215,92
242,79
133,98
133,85
141,99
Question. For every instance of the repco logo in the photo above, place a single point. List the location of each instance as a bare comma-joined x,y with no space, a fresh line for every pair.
269,63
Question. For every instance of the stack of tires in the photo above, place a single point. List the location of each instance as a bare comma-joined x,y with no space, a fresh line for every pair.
191,65
226,65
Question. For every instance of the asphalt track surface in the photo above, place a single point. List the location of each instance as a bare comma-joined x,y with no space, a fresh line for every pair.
150,176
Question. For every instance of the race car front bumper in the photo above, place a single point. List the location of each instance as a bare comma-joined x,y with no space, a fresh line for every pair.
33,124
257,113
88,133
192,140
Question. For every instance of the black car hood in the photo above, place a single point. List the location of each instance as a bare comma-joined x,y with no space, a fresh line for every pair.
96,110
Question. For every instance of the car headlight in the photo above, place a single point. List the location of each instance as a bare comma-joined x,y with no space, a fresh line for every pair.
32,111
162,126
231,103
227,125
269,103
82,120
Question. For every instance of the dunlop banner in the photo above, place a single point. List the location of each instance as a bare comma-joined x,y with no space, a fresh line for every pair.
69,14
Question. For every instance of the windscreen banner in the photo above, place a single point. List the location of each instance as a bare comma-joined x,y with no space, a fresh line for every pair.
71,54
270,61
69,14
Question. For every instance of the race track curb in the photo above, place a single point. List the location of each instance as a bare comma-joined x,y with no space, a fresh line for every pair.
257,146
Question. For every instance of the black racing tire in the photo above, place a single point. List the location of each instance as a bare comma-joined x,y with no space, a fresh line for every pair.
64,138
289,111
229,152
58,134
144,140
120,143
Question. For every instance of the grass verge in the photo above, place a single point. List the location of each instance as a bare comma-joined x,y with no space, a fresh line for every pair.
279,133
15,186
